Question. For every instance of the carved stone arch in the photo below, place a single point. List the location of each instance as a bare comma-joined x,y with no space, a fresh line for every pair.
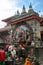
23,24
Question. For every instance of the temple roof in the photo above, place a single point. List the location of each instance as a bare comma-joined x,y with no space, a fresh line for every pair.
23,15
23,10
30,6
31,11
7,28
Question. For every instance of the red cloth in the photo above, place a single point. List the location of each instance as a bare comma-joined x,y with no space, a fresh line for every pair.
2,55
7,46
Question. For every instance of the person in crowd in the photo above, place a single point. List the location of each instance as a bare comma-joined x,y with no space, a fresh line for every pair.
2,56
7,54
11,46
14,59
21,61
32,43
36,62
8,58
33,63
27,62
19,52
13,52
